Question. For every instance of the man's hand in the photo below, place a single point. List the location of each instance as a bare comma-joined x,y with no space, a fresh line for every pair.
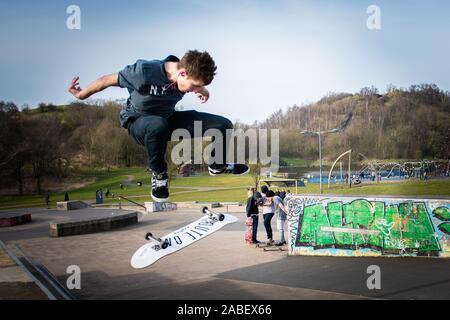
96,86
203,95
74,88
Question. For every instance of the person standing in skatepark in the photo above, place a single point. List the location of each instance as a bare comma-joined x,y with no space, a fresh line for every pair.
252,214
149,115
268,212
280,212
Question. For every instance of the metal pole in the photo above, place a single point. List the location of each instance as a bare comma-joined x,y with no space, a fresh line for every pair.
320,156
342,178
349,169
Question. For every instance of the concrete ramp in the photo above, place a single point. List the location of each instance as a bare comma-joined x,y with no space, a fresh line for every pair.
10,219
160,206
16,282
71,205
199,205
102,220
359,226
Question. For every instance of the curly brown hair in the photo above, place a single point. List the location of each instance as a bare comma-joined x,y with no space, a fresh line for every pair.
199,66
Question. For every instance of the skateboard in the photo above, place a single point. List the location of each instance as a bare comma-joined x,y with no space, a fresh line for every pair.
249,230
270,247
158,248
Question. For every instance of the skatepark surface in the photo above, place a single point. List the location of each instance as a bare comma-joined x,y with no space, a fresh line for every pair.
219,267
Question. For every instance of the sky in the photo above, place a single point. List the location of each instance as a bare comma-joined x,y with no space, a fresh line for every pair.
270,54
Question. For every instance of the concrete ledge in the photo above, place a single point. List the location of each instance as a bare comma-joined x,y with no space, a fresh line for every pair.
160,207
13,219
71,205
92,226
237,204
187,205
199,205
150,207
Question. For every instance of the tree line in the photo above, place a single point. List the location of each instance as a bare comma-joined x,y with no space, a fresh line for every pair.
54,141
411,123
51,142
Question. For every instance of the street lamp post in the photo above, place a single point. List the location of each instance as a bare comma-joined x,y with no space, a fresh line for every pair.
319,133
320,158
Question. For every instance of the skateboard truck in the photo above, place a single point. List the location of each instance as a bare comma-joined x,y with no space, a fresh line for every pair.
162,244
213,215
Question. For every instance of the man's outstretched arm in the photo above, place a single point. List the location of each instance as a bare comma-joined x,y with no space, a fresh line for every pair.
94,87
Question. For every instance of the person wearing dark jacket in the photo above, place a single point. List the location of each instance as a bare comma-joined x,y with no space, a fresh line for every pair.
253,211
47,199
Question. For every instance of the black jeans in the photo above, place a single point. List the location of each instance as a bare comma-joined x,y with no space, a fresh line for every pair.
267,219
154,132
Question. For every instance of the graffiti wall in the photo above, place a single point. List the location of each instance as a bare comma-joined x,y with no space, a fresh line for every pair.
347,226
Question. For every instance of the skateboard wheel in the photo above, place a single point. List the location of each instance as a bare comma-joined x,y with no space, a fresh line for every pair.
165,245
205,209
221,217
148,236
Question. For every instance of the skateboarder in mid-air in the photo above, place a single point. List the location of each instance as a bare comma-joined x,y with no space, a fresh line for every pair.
149,115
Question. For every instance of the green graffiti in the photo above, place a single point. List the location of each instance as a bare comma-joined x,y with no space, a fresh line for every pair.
391,229
442,213
445,227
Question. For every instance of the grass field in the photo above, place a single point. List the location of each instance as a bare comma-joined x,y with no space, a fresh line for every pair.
207,188
293,162
439,187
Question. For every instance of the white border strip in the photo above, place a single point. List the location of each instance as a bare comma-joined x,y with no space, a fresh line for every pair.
17,261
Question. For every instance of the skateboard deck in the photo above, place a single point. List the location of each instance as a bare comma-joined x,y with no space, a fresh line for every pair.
179,239
272,247
249,230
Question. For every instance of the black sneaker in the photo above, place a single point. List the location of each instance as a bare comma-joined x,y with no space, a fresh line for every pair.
160,187
230,168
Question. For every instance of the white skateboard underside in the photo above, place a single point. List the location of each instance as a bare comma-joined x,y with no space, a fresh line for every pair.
203,227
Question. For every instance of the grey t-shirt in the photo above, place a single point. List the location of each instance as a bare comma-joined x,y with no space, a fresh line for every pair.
281,215
151,92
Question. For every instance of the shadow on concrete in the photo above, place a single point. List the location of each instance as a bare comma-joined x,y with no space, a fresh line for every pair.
401,278
148,285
